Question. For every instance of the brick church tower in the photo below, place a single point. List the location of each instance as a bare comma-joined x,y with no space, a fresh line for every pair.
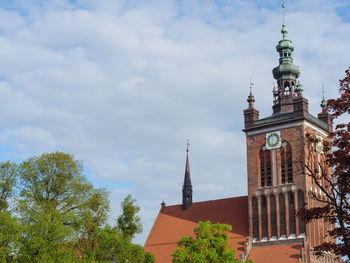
276,145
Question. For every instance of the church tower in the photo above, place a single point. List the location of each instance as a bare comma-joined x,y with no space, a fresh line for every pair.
277,145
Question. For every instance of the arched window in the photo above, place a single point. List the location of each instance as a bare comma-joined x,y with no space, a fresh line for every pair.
293,86
291,204
282,206
255,215
286,163
265,167
273,216
286,88
301,202
263,216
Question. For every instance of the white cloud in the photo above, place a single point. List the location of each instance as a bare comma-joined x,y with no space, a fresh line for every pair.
123,84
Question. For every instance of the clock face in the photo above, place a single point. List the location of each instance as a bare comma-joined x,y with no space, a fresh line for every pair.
273,140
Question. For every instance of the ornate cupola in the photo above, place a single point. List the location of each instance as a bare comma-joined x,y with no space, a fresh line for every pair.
187,186
286,74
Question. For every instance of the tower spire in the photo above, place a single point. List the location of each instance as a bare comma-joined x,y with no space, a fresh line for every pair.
187,186
286,73
251,98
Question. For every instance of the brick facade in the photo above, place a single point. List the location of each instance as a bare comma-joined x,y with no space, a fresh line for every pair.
278,189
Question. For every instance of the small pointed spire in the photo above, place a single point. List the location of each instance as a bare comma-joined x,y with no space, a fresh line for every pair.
299,88
251,98
187,186
187,169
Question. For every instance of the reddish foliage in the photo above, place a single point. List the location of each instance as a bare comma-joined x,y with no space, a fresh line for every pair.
337,207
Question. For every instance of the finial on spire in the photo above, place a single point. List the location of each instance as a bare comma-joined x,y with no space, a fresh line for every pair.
283,7
188,144
322,89
284,30
323,102
251,84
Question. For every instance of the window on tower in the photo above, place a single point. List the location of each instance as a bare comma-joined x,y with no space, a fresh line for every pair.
265,167
286,163
262,177
283,167
268,173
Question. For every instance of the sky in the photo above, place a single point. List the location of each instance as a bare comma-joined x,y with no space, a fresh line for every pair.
122,84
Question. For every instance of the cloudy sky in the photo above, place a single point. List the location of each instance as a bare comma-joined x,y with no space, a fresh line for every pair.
122,84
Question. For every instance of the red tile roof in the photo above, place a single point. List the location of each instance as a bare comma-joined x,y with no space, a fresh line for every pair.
173,223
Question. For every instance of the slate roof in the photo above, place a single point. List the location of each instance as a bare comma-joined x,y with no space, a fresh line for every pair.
173,223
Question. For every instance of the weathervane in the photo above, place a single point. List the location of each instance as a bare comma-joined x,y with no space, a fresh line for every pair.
322,89
283,7
323,102
251,84
188,144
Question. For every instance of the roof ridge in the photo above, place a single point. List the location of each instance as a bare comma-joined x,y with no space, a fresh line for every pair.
212,200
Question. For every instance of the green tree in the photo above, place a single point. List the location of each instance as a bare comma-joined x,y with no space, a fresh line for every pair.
57,205
129,252
61,216
8,224
108,240
211,244
129,223
94,218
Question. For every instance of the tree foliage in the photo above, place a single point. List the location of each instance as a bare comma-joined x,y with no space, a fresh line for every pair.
335,208
57,204
129,223
211,244
60,216
8,179
9,227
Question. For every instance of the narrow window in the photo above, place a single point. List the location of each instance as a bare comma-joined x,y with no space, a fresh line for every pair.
273,216
265,167
300,205
286,163
268,173
255,218
283,166
290,171
262,175
264,216
282,206
291,213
